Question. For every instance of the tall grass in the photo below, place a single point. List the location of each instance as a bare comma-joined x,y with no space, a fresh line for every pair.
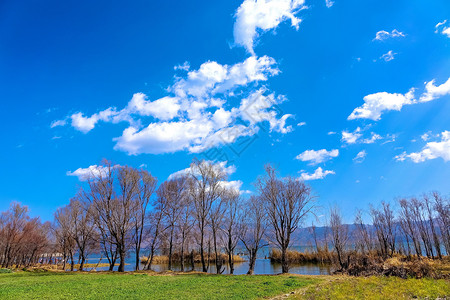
296,257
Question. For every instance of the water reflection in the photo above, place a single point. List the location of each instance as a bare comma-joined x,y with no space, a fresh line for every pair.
263,266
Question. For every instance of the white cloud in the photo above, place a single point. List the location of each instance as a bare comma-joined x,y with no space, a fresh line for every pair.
431,150
86,124
165,108
58,123
383,35
184,67
388,56
445,30
425,137
329,3
359,158
84,174
375,104
331,132
433,92
301,124
317,157
319,173
221,166
351,137
256,16
356,137
198,114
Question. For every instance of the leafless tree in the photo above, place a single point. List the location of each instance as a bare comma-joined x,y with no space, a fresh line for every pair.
420,220
186,222
154,232
253,229
171,196
364,240
146,188
205,189
431,224
442,208
231,224
13,223
408,226
287,202
82,227
340,236
385,228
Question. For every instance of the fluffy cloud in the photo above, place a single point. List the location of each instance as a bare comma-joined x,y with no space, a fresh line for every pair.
329,3
198,114
221,166
383,35
86,124
317,157
255,16
359,158
431,150
356,137
319,173
84,174
376,104
388,56
433,92
440,28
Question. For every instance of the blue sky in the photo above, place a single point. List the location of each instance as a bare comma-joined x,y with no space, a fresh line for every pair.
353,96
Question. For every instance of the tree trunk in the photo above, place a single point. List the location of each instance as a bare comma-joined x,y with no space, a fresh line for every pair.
122,259
230,254
284,262
202,253
252,261
182,254
83,259
136,266
170,248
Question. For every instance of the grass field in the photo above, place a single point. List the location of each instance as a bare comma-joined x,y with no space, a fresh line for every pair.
51,285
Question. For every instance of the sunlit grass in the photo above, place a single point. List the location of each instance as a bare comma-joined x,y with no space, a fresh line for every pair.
50,285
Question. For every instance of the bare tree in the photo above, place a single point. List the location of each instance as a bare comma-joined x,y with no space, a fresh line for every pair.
154,232
253,229
287,201
442,208
205,190
185,225
82,227
171,196
112,194
408,226
147,185
385,228
339,233
232,222
14,221
364,241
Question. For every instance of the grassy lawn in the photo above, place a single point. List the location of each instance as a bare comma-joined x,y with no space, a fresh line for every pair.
51,285
376,288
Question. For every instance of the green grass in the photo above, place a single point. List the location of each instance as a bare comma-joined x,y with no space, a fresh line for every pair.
71,285
49,285
376,288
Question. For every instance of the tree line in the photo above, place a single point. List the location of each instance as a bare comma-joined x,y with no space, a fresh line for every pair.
122,210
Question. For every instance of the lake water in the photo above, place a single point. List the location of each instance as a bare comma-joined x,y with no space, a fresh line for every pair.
262,266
